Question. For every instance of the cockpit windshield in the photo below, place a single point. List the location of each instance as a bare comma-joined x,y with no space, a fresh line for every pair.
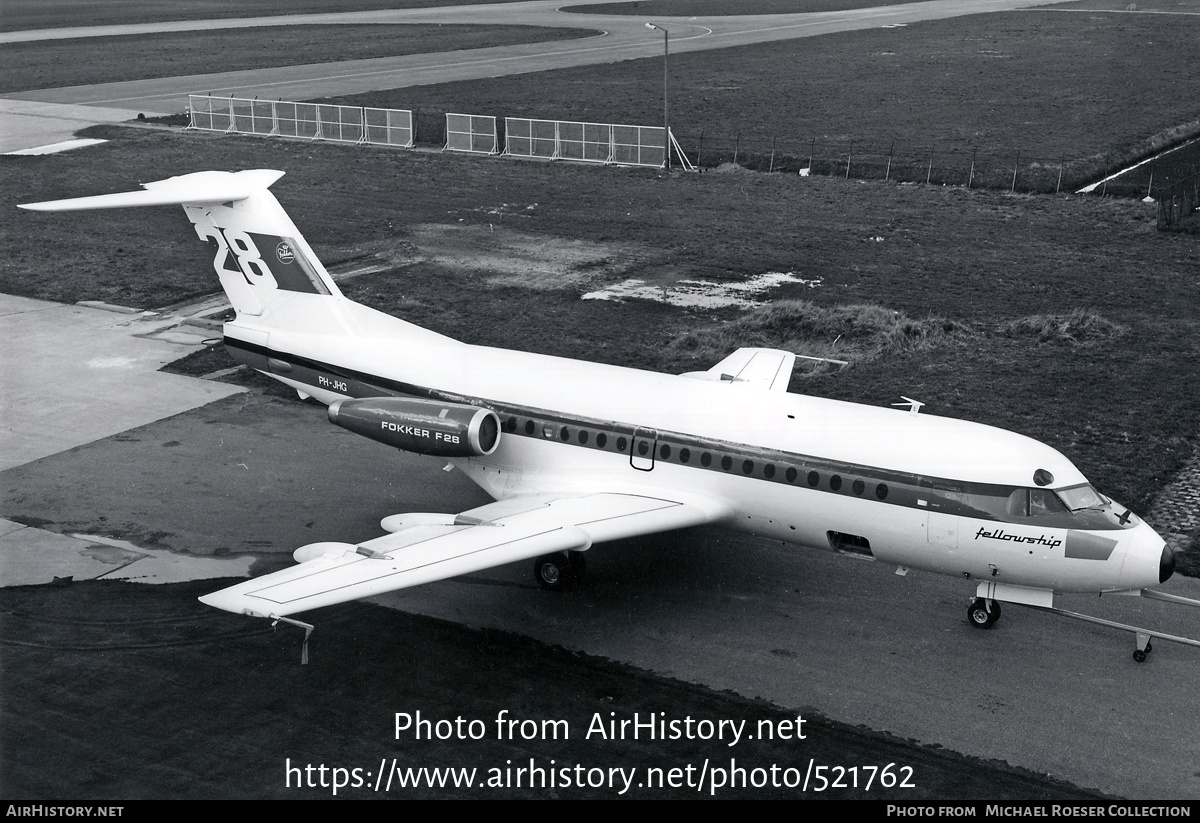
1080,497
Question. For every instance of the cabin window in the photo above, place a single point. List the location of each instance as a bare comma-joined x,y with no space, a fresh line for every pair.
665,452
881,491
685,455
583,436
769,471
643,447
747,467
813,479
510,425
621,443
791,474
726,462
706,460
859,487
601,440
835,482
565,434
530,426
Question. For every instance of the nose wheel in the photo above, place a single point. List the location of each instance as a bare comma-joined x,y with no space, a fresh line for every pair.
983,614
1144,646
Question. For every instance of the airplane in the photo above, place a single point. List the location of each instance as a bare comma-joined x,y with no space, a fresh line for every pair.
578,453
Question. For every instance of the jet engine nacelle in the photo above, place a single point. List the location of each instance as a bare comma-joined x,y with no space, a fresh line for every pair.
421,426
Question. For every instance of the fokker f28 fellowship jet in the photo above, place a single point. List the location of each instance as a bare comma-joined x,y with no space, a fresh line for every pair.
579,453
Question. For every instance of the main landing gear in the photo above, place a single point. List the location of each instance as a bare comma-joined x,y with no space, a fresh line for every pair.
983,614
559,571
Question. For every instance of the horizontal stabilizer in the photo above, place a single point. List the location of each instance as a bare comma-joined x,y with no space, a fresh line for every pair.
201,187
769,369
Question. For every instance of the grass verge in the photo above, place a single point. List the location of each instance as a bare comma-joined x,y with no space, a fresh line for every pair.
22,15
44,64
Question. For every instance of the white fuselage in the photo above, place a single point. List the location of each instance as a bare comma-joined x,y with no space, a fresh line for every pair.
916,490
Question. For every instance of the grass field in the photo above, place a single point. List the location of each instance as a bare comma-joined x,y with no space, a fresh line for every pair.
1061,97
1060,89
56,63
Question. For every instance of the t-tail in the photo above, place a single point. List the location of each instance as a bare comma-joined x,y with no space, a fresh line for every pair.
267,269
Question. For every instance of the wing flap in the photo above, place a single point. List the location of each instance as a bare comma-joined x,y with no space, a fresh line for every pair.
492,535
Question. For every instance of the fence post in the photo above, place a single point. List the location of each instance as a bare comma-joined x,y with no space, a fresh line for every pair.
232,123
971,174
849,153
812,147
737,143
1016,165
887,175
1150,185
699,147
929,171
771,167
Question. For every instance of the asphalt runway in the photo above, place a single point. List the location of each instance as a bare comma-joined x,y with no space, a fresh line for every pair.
802,629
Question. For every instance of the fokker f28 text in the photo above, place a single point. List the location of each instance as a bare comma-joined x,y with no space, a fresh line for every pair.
578,453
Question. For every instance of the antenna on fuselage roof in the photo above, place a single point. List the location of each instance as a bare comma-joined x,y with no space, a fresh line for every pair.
914,406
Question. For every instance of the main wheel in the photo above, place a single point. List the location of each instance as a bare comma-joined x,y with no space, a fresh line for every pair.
979,616
558,572
1139,656
551,572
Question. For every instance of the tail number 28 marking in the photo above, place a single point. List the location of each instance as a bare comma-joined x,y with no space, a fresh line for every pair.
247,261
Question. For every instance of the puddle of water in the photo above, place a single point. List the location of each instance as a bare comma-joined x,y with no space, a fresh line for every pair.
703,294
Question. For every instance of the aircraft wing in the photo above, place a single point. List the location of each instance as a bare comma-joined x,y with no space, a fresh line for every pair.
422,548
762,368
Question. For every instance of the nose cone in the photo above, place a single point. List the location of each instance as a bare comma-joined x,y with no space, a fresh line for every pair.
1166,564
1147,559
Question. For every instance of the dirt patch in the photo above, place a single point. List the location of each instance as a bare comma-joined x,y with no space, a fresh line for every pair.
509,257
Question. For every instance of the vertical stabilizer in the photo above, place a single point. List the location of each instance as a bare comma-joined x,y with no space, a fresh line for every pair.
256,249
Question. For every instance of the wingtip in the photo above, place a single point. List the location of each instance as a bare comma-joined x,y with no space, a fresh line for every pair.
229,600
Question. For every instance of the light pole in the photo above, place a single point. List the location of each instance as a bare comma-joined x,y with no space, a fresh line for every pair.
666,118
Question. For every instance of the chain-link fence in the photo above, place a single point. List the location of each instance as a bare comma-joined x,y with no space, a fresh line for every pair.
1177,202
